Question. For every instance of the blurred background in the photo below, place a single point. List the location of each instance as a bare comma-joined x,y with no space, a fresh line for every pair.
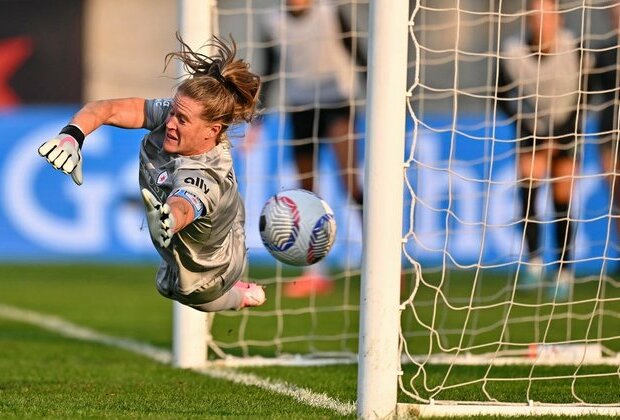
461,193
53,58
56,55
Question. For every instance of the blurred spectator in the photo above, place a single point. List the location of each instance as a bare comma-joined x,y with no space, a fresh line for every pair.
311,51
604,82
539,89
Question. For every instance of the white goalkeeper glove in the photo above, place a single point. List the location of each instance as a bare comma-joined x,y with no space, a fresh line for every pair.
160,219
63,152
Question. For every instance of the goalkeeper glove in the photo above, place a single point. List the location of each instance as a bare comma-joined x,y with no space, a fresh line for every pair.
63,151
160,219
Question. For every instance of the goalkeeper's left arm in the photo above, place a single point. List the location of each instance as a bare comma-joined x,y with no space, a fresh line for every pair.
63,152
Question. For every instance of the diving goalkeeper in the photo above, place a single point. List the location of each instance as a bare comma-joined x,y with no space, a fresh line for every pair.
193,208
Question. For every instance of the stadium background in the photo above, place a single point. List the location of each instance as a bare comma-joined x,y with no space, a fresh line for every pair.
93,49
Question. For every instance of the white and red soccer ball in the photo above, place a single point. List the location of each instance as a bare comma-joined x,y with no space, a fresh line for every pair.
297,227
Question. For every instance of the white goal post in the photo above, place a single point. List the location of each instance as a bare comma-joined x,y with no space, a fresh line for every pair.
190,331
381,267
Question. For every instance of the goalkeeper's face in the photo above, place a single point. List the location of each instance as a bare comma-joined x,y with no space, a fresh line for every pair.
187,133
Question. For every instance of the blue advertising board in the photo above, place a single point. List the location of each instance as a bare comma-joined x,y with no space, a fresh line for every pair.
48,218
466,203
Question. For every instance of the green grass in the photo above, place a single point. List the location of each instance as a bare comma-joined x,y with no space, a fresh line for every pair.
45,375
119,300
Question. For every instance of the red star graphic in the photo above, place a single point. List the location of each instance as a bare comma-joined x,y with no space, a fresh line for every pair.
13,53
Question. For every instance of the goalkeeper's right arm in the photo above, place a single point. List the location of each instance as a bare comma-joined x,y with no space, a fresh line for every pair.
63,152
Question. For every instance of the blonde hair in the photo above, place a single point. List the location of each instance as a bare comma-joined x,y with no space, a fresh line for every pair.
224,85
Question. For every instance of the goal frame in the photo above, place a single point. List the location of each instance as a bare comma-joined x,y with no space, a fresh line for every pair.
379,358
382,225
190,328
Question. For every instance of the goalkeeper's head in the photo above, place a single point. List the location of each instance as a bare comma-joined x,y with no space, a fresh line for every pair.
222,84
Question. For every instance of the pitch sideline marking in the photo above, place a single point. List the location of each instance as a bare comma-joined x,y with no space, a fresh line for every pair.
71,330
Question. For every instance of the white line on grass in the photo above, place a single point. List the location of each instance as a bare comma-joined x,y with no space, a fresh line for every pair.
68,329
303,395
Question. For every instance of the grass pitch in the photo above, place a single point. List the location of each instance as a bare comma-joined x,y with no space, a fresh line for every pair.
45,375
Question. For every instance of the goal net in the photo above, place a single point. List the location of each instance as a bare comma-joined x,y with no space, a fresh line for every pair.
509,241
510,232
310,135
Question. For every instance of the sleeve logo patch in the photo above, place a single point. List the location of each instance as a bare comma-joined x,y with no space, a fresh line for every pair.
197,182
193,200
162,177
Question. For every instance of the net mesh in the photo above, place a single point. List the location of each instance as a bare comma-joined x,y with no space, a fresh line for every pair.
483,319
308,63
487,133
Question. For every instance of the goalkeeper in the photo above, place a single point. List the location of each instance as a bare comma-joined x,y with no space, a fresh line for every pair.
194,211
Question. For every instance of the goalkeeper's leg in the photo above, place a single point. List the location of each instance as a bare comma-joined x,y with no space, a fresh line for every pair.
241,295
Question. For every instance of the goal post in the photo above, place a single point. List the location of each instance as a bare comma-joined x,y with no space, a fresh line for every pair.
383,191
190,328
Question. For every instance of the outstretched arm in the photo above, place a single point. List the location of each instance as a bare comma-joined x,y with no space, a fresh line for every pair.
63,152
124,113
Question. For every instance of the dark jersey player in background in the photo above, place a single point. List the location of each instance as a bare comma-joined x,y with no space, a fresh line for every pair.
312,59
539,89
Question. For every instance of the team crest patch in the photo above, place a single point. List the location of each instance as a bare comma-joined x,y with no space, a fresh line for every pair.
162,177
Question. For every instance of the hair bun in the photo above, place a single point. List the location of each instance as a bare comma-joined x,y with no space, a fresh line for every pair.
231,73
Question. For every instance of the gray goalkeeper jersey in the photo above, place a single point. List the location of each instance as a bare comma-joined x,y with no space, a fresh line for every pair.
205,258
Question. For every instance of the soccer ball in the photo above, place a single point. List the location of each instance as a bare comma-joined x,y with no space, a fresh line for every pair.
297,227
